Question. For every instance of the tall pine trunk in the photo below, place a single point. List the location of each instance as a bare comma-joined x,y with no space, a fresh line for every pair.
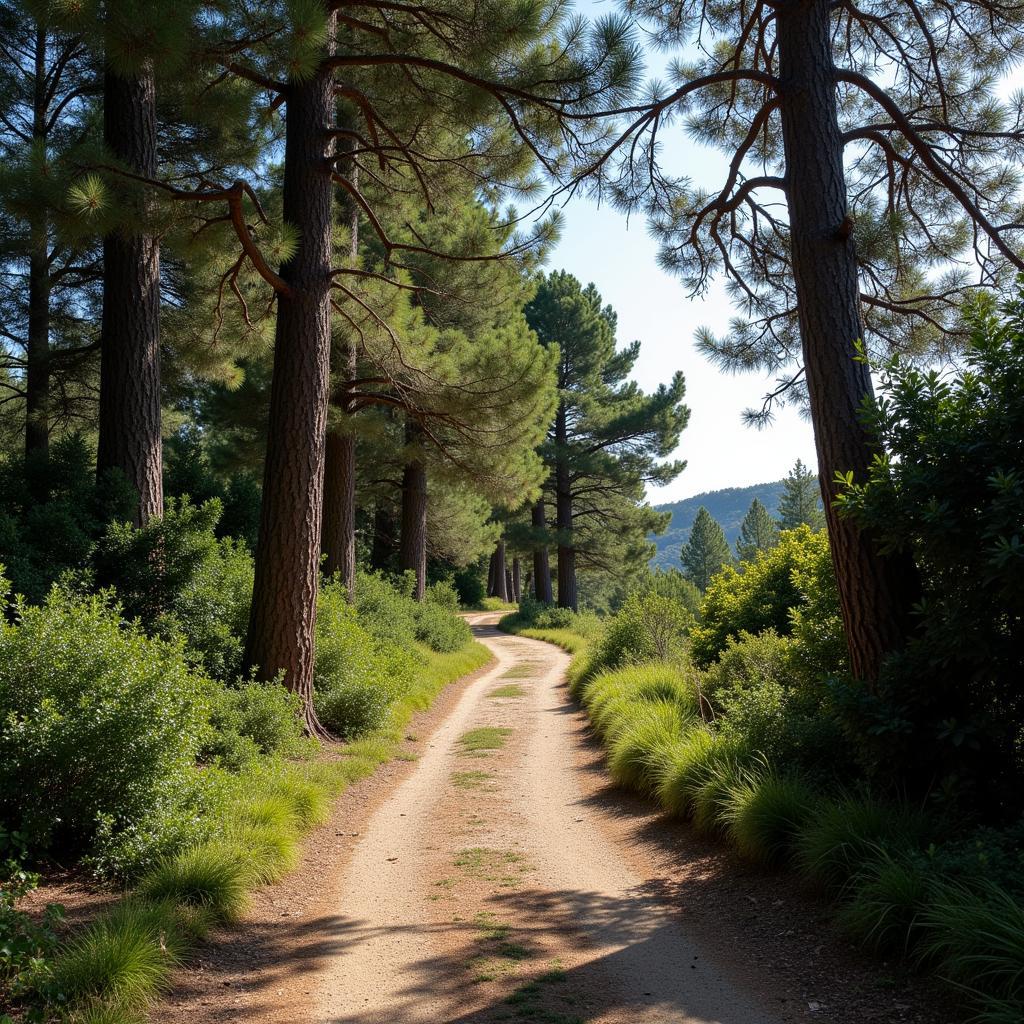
413,544
283,617
129,413
37,351
874,592
500,577
382,546
517,580
541,564
339,519
339,525
567,596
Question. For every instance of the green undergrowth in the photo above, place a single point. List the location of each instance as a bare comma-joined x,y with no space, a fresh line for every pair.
901,883
117,966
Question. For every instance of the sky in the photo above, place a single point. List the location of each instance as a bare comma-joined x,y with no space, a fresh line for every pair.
598,245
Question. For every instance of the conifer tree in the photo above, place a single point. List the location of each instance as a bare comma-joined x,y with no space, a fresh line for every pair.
879,126
48,86
801,500
706,551
758,532
607,438
456,65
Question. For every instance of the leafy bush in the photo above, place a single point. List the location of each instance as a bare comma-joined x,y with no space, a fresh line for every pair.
385,606
25,942
648,627
251,719
97,721
441,629
765,697
444,594
671,583
177,578
359,675
52,511
761,596
949,493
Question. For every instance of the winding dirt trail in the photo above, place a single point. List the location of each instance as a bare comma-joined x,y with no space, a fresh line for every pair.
513,882
490,885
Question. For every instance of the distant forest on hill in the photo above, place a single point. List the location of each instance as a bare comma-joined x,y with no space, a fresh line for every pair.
728,506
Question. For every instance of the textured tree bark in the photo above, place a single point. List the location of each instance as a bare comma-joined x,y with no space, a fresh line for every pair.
382,547
541,563
283,617
567,595
339,518
875,593
492,586
129,413
500,579
517,579
37,352
339,525
413,544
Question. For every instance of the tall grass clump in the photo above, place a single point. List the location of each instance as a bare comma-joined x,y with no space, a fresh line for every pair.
609,696
884,901
845,834
763,813
210,877
687,765
125,957
974,937
644,729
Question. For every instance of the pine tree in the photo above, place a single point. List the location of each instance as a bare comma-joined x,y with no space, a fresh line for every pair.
880,126
438,74
48,87
800,501
706,551
608,437
758,532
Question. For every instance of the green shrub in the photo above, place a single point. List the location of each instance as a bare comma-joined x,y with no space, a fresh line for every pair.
884,900
252,719
97,721
358,675
177,578
648,627
385,607
762,595
949,712
846,834
764,813
206,876
52,511
766,699
26,941
444,594
441,629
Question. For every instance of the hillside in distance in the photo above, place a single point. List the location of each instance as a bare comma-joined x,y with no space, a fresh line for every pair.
728,506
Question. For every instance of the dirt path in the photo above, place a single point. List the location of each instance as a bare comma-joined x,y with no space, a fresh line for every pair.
513,883
486,889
